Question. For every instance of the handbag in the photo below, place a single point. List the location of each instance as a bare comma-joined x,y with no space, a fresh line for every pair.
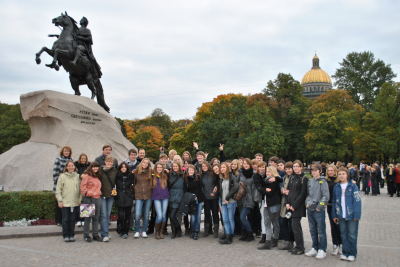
369,183
114,190
256,194
241,191
87,210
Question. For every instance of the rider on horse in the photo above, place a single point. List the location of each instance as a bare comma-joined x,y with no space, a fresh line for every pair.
84,46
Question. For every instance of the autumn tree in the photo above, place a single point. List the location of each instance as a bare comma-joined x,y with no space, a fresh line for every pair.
334,121
149,138
362,76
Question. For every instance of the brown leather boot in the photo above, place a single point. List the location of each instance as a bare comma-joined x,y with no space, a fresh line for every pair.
157,230
161,230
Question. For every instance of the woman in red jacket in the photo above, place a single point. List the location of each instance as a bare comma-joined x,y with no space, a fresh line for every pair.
90,189
397,180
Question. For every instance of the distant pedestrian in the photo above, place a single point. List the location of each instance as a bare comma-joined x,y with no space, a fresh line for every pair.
390,179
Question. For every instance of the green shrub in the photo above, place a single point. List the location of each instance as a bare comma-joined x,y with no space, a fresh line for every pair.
29,205
26,204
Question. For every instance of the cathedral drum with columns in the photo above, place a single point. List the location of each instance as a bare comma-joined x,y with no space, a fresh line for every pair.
316,81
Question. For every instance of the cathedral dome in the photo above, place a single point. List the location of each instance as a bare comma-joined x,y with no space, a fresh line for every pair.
316,76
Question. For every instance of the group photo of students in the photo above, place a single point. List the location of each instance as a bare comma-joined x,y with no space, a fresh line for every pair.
235,200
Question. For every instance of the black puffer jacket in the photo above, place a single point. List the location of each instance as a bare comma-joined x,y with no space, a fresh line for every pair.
297,194
81,167
193,186
274,196
125,191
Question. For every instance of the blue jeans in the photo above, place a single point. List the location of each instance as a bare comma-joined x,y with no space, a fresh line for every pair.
140,203
316,222
106,206
195,219
349,234
68,221
243,219
228,217
161,206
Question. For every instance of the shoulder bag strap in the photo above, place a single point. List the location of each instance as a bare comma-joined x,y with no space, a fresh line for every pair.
109,180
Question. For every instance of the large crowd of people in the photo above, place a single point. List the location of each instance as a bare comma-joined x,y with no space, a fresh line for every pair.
246,197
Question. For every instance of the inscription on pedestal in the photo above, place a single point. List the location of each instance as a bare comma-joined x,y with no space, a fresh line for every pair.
87,116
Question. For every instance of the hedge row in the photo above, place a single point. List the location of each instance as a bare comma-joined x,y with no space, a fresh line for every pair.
29,205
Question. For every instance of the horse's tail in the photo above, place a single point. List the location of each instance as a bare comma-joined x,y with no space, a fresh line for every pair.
100,96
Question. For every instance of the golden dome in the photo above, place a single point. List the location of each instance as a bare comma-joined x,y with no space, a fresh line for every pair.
316,76
315,57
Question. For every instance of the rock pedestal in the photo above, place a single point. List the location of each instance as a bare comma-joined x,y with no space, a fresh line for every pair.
56,120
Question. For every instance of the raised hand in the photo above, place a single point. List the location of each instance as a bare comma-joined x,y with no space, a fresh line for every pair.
221,147
195,145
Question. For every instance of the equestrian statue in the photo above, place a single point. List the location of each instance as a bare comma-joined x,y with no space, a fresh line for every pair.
73,51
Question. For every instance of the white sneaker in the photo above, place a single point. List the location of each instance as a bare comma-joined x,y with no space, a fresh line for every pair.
335,250
79,224
343,257
340,250
311,253
321,255
144,234
137,234
351,258
83,223
106,239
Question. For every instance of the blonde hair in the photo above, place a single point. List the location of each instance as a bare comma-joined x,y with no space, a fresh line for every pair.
109,158
226,174
273,170
333,167
237,162
178,159
140,168
172,151
391,169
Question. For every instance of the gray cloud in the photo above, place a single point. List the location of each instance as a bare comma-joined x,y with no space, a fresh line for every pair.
175,55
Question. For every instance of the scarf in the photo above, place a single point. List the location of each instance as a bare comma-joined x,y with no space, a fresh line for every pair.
247,173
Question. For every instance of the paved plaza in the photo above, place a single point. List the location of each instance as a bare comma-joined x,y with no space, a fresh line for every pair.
378,245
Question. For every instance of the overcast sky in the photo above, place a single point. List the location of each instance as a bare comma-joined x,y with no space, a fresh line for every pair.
175,55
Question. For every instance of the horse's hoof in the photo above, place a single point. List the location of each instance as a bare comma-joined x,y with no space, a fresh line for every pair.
57,68
38,60
77,93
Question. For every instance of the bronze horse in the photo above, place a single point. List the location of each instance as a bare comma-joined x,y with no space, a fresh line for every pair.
63,53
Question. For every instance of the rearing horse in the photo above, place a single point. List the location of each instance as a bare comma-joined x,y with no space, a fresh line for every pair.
63,52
